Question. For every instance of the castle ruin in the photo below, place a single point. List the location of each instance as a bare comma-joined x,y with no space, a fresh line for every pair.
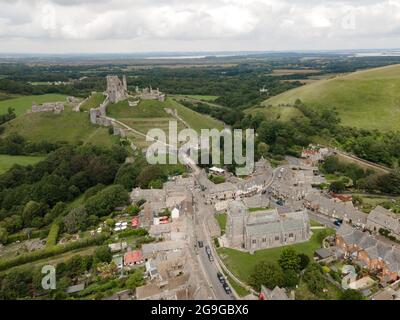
150,94
56,107
117,90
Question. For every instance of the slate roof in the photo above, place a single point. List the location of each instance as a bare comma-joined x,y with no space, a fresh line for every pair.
385,218
270,222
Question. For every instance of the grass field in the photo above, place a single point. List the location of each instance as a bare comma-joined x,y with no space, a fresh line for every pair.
366,99
68,126
93,101
22,104
242,264
6,161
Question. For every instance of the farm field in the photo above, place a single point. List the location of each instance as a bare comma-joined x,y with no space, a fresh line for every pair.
68,126
242,264
366,99
22,104
7,161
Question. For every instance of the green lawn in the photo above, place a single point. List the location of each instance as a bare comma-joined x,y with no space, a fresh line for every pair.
7,161
221,218
93,101
68,126
242,264
22,104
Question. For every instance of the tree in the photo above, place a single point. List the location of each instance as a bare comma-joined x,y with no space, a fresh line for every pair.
290,278
263,149
351,294
127,175
289,260
135,280
32,210
75,220
103,254
110,222
304,261
268,274
3,236
314,279
337,186
55,212
104,202
150,173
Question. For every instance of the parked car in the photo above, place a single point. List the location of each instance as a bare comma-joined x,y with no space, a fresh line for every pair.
208,250
221,278
337,223
210,257
226,288
201,245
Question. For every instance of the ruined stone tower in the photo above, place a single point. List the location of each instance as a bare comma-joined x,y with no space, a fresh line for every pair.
116,89
124,83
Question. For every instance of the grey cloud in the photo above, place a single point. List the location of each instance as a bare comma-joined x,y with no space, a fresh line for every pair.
173,24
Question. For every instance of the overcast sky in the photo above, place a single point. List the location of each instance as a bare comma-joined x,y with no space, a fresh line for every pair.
112,26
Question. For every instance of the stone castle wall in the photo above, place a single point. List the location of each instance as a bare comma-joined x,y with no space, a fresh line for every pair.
56,107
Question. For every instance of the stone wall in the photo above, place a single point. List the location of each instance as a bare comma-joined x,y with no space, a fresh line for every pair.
97,114
56,107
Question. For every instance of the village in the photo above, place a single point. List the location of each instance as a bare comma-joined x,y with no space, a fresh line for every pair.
175,234
273,207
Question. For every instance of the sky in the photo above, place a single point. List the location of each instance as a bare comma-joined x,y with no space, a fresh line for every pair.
127,26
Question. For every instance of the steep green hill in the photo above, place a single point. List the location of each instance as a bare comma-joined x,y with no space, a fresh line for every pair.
68,126
365,99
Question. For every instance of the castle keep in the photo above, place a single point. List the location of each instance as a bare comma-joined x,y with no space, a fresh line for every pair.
116,90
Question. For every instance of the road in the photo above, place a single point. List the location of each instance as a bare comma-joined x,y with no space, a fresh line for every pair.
204,212
322,219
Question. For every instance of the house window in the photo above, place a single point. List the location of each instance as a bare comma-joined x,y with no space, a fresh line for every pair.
276,238
254,241
264,240
290,235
